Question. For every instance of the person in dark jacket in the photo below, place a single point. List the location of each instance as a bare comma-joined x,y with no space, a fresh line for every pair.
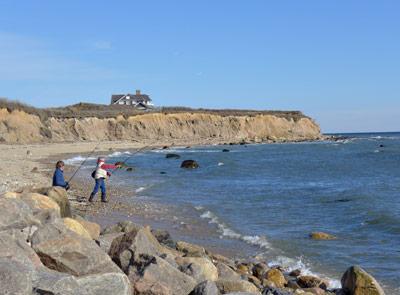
58,177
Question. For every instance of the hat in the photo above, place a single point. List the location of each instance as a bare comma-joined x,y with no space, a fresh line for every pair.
101,159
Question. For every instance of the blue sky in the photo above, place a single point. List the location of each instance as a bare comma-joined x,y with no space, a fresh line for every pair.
337,61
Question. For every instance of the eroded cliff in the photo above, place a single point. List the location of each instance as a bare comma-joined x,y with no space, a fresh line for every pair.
17,126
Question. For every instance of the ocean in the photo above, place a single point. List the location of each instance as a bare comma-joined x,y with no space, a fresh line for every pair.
265,199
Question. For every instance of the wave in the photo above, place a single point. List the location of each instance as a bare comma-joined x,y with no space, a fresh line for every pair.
290,264
225,231
118,154
140,189
77,160
287,263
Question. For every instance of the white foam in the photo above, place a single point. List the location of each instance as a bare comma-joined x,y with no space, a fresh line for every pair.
118,154
221,164
77,160
140,189
290,264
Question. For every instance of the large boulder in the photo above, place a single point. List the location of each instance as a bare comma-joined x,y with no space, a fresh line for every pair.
39,202
199,268
356,281
205,288
52,282
76,227
154,275
123,226
132,244
59,195
15,278
227,286
105,241
91,227
65,251
15,213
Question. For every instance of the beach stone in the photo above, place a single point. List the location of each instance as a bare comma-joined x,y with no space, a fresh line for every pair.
275,275
226,286
226,273
322,236
76,227
15,278
256,281
172,156
91,227
242,269
105,241
205,288
68,252
14,213
132,244
311,282
59,195
189,164
356,281
295,273
259,270
39,202
201,269
156,276
220,258
314,291
190,249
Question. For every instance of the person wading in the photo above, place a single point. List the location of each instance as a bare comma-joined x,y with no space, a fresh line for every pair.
58,176
100,174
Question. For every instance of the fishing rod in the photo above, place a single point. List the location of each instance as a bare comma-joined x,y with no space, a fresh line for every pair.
80,166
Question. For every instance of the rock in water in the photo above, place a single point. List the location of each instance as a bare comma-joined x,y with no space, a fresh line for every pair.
276,276
190,164
225,150
172,156
129,169
356,281
321,236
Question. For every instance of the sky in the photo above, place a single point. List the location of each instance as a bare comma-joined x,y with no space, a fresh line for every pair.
336,61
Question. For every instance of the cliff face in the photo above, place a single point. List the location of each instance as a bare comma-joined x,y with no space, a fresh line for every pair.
20,127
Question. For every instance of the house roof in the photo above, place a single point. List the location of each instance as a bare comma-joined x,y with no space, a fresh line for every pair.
135,97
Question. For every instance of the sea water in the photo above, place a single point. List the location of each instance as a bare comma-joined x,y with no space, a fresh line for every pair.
268,198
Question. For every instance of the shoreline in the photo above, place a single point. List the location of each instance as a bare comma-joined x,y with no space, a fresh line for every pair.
113,212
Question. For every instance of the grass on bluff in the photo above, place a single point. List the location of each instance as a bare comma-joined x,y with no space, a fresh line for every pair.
85,110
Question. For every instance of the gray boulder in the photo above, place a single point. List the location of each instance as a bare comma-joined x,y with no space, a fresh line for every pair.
123,226
65,251
15,278
227,286
16,214
205,288
52,282
226,273
59,195
153,275
105,241
131,245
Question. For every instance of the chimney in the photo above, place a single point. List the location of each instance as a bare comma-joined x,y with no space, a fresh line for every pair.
137,92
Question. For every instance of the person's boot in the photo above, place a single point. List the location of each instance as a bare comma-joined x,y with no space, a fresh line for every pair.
104,199
91,198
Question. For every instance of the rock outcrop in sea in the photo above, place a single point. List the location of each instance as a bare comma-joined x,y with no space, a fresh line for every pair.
45,248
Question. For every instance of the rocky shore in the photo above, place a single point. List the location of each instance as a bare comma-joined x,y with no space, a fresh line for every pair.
48,247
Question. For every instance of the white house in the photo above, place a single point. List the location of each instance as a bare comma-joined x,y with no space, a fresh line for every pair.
138,100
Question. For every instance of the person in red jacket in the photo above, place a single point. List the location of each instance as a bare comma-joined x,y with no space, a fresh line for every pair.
100,175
